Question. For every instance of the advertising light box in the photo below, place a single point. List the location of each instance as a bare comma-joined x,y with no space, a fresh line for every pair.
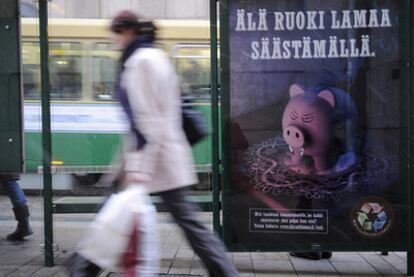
314,126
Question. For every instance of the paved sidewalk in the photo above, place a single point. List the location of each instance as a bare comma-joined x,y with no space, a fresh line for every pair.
26,258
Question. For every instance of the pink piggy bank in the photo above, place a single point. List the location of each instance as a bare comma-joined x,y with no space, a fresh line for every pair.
307,129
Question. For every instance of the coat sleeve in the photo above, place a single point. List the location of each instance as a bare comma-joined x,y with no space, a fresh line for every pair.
142,79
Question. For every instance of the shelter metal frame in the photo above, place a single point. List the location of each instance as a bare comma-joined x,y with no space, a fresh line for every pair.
218,174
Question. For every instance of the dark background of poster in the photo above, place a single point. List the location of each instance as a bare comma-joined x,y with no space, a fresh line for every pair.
259,91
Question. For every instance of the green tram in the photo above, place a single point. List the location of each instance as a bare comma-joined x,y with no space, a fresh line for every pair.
87,122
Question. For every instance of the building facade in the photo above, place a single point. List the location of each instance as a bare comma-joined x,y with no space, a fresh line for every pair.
150,9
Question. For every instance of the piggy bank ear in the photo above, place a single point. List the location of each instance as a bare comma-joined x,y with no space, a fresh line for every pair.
295,90
327,96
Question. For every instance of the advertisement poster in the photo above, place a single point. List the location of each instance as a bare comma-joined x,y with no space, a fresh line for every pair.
315,126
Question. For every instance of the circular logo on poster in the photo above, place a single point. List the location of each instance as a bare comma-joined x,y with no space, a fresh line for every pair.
372,217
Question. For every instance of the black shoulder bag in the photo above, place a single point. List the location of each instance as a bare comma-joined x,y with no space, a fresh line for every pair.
194,124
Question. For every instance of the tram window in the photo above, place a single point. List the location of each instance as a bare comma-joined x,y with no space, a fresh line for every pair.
66,70
65,63
193,68
31,70
104,67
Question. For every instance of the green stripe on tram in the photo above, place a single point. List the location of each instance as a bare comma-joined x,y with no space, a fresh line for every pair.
97,149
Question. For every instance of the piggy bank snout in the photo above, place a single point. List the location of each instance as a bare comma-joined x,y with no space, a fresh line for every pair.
294,136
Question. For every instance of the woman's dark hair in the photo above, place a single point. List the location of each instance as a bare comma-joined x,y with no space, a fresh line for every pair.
127,20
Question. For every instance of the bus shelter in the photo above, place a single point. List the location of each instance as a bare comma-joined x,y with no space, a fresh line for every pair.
314,129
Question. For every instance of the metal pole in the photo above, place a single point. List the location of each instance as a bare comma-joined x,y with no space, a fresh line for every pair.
46,134
214,117
225,121
407,54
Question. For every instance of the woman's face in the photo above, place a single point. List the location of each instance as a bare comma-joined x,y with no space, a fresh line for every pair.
123,39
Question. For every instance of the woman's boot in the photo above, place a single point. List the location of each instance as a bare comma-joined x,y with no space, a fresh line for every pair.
78,266
21,212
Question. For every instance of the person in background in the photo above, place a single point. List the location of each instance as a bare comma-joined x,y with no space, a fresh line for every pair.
20,208
158,153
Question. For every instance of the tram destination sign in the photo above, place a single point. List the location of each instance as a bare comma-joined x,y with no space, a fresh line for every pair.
314,118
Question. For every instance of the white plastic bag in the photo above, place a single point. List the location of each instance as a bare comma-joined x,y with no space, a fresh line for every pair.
109,235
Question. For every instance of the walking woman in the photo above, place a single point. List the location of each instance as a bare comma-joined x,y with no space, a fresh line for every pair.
159,154
156,152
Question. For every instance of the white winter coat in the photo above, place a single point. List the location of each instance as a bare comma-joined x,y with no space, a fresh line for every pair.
152,88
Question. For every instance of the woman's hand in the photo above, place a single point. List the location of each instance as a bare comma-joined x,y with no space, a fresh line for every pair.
132,177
